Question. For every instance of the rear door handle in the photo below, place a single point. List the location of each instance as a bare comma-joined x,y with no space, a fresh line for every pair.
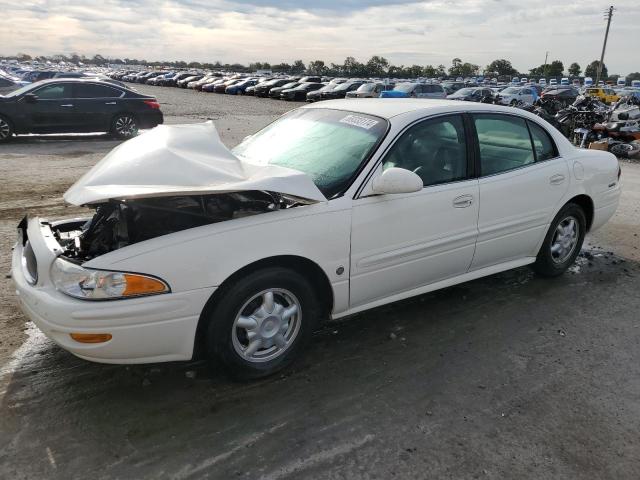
556,179
110,103
463,201
67,105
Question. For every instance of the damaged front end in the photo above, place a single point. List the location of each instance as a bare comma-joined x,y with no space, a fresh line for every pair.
119,223
169,179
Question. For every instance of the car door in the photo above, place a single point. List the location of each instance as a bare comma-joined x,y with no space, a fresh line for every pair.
522,181
96,105
404,241
51,111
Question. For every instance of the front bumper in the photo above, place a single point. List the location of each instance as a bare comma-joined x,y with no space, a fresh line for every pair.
147,329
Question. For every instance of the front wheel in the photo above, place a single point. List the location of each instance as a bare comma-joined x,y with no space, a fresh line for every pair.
124,126
6,130
562,243
262,322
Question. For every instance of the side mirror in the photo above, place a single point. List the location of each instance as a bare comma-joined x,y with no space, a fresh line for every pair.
31,98
396,180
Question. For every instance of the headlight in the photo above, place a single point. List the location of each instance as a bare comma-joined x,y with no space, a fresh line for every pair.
89,284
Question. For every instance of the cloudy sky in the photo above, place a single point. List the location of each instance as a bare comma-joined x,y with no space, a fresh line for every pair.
405,32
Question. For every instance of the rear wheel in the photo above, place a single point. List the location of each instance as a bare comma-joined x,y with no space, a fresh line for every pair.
124,126
262,322
6,129
562,243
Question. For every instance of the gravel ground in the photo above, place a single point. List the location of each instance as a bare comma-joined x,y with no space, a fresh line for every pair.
510,376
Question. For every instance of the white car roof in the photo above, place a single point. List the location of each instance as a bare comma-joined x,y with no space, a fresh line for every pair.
392,107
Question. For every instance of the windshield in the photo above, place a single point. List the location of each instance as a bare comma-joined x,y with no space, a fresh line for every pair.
511,90
343,86
20,90
405,87
367,87
328,145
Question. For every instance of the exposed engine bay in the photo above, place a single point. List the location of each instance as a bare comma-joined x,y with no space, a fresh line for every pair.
118,223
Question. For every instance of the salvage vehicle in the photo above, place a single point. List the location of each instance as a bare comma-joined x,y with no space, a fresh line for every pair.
333,209
8,84
564,95
607,95
75,106
240,87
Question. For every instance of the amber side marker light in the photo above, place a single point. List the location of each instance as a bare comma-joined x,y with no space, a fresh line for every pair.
91,337
140,285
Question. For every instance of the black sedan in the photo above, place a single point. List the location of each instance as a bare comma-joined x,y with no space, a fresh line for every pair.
566,95
276,91
300,92
341,90
76,106
263,89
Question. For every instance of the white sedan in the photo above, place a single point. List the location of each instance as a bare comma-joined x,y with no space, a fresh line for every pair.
333,209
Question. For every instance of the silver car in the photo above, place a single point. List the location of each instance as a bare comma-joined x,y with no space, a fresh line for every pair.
512,95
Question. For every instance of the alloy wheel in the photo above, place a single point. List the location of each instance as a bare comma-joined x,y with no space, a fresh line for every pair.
565,239
125,126
266,325
5,129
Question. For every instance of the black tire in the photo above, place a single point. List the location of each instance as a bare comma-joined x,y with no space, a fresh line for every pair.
6,129
124,126
221,333
550,264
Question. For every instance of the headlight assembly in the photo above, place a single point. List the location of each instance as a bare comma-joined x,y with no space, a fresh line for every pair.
89,284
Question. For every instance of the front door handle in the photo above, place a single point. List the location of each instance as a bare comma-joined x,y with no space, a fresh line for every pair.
463,201
556,179
110,103
67,105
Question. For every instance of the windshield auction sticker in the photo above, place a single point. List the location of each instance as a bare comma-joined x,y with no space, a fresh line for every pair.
358,121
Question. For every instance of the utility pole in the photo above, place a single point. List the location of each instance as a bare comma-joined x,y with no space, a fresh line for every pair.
544,69
609,14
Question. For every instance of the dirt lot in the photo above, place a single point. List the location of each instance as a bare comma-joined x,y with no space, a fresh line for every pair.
510,376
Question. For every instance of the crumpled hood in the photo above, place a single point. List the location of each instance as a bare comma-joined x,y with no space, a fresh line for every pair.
182,160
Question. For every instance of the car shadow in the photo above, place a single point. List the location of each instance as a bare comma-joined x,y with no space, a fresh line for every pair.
395,364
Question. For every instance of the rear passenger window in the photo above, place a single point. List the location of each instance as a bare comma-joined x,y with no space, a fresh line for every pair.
542,143
89,90
504,143
434,149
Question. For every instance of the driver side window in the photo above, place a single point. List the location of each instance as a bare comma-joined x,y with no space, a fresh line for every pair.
434,149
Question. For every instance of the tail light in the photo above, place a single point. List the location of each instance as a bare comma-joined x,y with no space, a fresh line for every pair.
152,103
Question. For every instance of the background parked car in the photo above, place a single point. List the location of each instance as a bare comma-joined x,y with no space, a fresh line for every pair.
565,95
342,89
183,82
317,94
513,95
300,92
274,92
240,87
262,89
471,94
415,90
367,90
76,105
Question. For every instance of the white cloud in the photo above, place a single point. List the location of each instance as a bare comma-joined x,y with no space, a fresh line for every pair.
431,32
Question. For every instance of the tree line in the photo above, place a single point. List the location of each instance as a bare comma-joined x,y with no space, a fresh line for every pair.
376,66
